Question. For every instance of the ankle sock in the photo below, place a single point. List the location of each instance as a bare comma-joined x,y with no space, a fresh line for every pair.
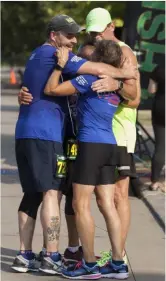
44,250
27,254
73,249
55,256
117,263
90,264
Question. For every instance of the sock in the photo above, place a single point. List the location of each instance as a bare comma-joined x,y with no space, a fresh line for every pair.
27,254
90,264
73,249
117,263
44,250
55,256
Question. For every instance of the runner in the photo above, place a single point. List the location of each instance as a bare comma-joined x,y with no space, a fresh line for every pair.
100,26
96,160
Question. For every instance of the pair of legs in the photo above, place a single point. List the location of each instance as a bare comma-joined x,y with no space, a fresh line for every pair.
89,171
158,160
37,163
27,214
50,219
84,219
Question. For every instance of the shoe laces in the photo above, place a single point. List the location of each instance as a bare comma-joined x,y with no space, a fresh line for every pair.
105,257
78,265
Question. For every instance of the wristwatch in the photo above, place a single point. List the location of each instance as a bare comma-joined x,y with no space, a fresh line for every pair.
120,85
58,67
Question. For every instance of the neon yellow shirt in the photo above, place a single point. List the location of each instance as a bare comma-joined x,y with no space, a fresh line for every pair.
124,124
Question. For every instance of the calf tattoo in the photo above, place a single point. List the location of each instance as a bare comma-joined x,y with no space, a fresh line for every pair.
54,230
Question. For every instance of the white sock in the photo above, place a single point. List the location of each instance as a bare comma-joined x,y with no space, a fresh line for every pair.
73,249
44,250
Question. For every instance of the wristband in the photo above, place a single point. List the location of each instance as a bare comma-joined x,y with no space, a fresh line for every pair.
58,67
120,85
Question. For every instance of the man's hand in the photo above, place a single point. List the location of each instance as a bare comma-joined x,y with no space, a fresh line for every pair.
62,55
24,97
105,84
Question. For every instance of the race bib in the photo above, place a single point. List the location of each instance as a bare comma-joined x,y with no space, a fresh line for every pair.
71,149
61,167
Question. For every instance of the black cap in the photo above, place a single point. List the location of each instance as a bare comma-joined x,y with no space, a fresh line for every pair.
63,23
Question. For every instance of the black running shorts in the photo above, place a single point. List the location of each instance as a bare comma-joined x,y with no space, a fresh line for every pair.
126,164
95,164
38,164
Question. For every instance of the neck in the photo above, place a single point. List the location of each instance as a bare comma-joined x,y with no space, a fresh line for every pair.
115,39
50,43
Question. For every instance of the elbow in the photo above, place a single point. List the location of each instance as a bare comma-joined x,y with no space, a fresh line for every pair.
47,92
137,103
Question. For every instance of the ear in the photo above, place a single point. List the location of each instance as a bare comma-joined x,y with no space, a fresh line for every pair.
112,26
53,35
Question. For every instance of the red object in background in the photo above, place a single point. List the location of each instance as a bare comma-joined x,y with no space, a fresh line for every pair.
13,80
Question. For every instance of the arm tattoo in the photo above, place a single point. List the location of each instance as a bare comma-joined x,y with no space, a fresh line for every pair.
54,230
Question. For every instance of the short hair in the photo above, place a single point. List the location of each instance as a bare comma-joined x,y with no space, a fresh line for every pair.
109,52
86,51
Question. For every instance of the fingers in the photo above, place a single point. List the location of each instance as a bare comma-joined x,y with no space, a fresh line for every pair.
103,76
25,89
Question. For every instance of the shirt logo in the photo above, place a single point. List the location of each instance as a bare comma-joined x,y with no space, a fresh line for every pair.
81,80
76,59
32,56
70,20
111,98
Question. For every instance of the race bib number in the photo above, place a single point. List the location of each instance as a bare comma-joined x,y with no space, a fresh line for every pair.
61,167
72,149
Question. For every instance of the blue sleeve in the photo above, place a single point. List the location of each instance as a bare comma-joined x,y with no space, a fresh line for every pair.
83,83
73,64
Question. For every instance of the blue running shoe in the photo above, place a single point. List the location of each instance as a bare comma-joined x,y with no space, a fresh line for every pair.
25,263
111,270
82,271
51,264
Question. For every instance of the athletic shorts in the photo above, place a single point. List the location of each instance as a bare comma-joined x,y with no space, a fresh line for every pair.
39,164
126,163
95,164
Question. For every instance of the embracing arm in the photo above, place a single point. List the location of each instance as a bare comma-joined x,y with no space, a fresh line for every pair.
135,103
129,90
53,88
99,68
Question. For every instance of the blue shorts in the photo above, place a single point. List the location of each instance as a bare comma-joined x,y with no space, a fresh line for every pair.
37,164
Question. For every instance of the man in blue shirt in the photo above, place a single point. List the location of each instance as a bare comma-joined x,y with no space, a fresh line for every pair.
39,135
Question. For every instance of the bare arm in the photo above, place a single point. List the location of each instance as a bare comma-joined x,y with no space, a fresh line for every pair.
152,88
98,68
53,88
129,90
135,103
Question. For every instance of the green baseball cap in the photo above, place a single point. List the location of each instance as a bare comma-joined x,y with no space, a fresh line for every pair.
97,20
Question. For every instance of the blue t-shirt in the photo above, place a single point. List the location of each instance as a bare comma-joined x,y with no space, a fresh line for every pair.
95,111
44,117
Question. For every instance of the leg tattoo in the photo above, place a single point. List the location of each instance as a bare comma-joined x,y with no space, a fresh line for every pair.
54,230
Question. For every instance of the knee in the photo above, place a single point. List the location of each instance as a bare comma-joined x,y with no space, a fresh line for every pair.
121,195
51,194
30,204
80,206
105,206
